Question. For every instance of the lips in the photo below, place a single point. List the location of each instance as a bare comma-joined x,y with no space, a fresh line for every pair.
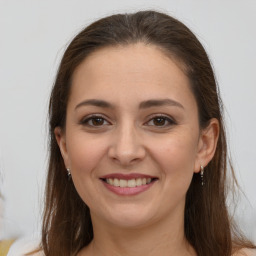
128,184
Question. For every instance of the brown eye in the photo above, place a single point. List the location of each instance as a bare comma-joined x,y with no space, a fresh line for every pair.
159,121
97,121
94,121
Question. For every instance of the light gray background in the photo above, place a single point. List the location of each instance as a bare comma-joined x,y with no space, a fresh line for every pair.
33,36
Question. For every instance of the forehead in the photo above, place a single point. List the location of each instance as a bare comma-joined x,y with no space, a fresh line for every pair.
123,71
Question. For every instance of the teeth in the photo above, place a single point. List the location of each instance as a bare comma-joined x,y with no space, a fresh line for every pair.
138,182
128,183
116,183
123,183
131,183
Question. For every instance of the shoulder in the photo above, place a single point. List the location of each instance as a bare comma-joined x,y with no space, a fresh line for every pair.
246,252
25,245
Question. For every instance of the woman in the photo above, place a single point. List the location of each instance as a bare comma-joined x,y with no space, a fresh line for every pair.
138,154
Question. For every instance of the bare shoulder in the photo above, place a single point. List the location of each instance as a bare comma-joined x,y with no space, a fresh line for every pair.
246,252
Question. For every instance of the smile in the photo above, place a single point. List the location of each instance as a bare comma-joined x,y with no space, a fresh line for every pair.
128,185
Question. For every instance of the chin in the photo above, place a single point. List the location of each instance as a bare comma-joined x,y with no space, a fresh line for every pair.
130,216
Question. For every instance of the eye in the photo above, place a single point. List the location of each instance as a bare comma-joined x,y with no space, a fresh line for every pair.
161,121
94,121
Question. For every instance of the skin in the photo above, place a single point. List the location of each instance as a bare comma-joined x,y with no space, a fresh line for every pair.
129,139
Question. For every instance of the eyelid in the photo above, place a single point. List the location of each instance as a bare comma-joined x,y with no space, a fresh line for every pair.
168,118
86,119
171,121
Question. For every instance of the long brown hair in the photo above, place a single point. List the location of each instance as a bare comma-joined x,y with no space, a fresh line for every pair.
67,224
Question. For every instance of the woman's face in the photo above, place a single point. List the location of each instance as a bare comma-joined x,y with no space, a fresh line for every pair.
132,137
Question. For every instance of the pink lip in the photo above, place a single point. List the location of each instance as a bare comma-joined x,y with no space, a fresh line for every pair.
127,191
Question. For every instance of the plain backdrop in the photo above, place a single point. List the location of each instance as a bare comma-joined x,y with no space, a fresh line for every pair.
33,36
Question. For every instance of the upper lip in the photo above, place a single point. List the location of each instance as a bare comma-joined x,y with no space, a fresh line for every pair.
127,176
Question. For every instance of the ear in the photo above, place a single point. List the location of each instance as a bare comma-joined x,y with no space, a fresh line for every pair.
207,144
61,140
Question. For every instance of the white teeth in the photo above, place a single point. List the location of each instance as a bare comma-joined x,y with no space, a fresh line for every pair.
116,183
128,183
123,183
111,181
131,183
138,182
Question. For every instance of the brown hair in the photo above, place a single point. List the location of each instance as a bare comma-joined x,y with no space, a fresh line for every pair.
67,224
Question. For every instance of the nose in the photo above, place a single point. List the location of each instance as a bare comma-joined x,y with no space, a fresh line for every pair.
127,146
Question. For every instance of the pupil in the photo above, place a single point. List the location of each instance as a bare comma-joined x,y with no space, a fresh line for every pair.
159,121
97,121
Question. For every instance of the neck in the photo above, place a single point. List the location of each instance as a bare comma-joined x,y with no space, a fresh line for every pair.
160,238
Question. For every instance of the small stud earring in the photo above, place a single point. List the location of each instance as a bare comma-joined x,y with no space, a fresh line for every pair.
202,174
69,173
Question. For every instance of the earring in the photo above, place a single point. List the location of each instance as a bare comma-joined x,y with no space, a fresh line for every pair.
69,173
202,174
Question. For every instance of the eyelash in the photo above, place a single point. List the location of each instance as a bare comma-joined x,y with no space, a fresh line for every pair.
86,121
91,118
164,118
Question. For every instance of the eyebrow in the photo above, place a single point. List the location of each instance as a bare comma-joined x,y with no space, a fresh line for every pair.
95,102
142,105
159,102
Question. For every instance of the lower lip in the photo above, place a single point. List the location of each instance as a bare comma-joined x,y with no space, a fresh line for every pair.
128,191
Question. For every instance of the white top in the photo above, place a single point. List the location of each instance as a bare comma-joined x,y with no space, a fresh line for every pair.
24,245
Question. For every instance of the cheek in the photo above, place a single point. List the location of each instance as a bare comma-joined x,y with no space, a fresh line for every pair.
177,149
85,156
84,153
176,155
